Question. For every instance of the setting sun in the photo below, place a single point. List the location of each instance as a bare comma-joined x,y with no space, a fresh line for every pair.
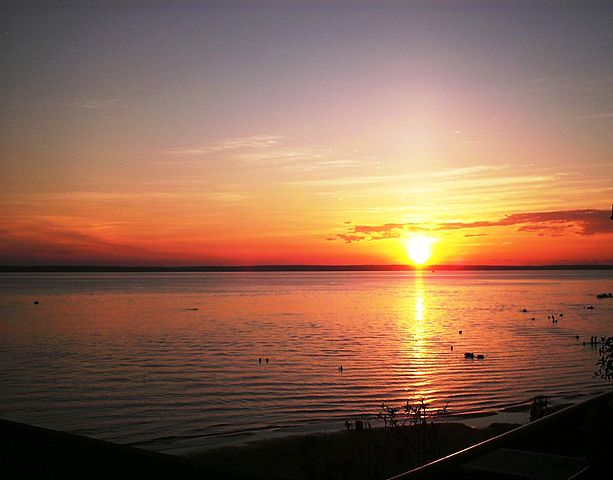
419,248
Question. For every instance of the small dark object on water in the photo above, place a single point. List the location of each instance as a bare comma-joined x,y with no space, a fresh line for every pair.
260,360
460,332
266,359
192,309
532,318
469,355
561,314
480,357
590,307
340,369
525,311
35,302
604,295
576,337
452,348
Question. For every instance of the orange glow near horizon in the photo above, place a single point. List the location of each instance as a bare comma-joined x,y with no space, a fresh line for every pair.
205,159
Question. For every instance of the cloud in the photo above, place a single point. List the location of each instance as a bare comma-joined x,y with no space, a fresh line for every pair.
545,230
468,171
322,164
586,222
556,223
560,82
282,155
231,144
388,227
94,104
276,152
48,238
376,232
346,181
596,116
349,238
458,178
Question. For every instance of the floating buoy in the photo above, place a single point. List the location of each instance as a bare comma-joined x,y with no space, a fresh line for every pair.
35,302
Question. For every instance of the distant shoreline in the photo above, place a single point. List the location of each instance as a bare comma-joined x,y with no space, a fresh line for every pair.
285,268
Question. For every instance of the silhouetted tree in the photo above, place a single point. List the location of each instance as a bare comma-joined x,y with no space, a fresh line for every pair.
605,364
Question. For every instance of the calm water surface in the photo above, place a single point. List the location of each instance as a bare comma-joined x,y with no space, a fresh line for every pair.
170,361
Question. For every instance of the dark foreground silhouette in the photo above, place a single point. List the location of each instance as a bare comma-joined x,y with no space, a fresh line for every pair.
38,453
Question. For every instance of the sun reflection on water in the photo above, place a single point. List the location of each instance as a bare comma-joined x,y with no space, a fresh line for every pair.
416,344
418,326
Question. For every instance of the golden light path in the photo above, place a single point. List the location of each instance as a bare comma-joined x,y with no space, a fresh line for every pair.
416,344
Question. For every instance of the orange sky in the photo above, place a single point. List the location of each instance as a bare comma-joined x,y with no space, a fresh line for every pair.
259,134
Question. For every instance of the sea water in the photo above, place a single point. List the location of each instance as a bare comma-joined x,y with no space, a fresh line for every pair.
182,361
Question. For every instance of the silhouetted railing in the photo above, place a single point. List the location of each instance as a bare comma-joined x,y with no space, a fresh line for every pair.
526,437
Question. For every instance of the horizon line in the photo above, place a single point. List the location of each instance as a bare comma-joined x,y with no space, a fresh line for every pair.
291,268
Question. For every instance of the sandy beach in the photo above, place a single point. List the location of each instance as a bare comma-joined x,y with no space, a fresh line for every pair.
368,454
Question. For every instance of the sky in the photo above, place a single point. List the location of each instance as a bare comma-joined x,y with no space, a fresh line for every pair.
244,133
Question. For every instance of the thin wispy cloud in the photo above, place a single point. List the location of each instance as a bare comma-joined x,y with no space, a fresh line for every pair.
54,233
283,155
320,165
230,144
468,171
278,153
595,116
94,104
220,194
347,181
444,180
562,82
